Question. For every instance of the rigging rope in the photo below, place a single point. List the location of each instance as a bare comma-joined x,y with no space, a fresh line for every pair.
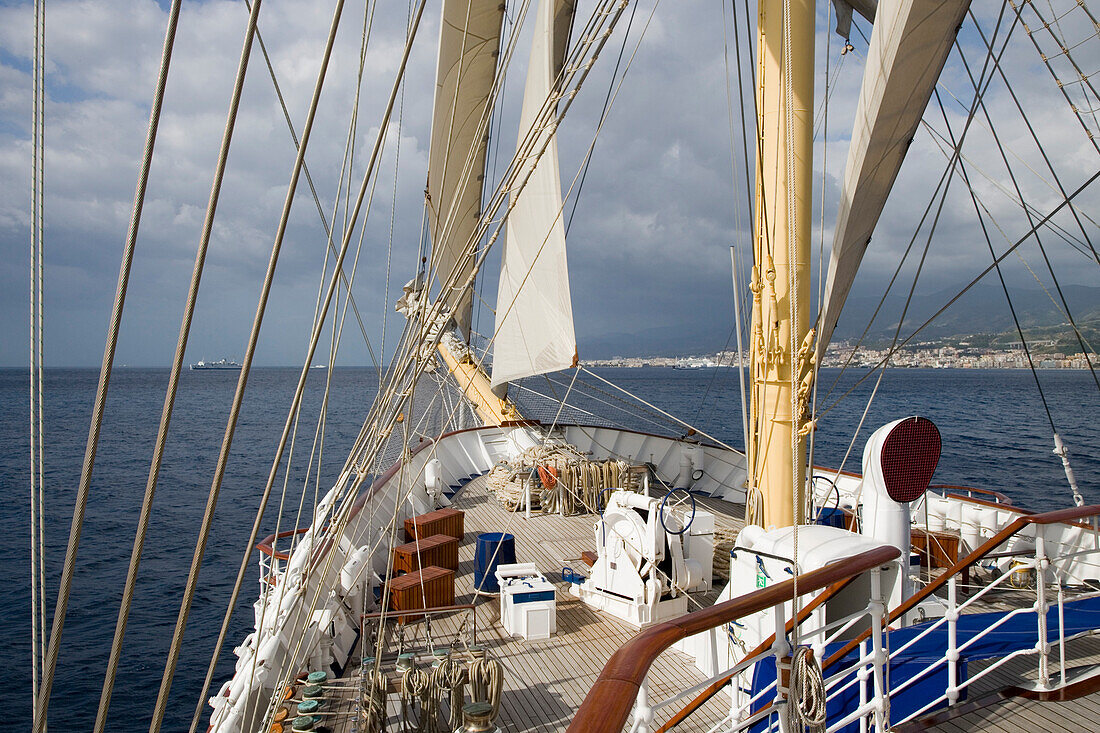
424,336
1046,62
1059,447
36,364
945,183
738,304
43,694
1027,235
659,410
367,177
603,116
143,522
185,328
430,340
1038,241
817,355
313,189
393,202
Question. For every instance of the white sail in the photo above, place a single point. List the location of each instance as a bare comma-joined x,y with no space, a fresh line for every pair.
534,318
909,46
469,39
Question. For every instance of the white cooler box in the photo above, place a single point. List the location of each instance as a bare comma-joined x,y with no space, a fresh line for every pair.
528,608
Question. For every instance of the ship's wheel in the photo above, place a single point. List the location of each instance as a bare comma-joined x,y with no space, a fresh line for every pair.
676,500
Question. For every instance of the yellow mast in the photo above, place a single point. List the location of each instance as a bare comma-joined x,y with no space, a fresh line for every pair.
779,350
475,386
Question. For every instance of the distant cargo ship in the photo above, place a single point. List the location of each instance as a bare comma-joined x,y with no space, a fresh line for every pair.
219,364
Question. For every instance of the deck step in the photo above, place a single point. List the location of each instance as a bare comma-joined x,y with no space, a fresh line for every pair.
452,490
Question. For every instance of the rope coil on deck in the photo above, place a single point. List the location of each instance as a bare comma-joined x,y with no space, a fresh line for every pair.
372,701
450,678
575,483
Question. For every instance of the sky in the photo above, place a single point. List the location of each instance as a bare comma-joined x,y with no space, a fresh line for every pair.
662,201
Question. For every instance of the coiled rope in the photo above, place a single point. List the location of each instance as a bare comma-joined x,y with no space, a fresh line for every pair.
372,701
806,697
416,690
450,678
486,682
754,506
560,479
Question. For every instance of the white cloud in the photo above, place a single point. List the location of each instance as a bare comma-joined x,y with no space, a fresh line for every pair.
663,199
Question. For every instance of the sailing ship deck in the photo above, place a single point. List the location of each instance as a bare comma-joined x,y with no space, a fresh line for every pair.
545,681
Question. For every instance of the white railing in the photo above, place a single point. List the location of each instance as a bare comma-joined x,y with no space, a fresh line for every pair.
1043,568
1045,562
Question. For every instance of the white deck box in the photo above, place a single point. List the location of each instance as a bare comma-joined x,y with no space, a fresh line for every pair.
528,605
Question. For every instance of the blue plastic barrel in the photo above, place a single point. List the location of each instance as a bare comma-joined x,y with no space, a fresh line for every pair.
831,517
493,549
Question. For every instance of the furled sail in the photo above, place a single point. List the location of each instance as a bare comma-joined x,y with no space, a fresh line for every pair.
534,318
909,46
469,39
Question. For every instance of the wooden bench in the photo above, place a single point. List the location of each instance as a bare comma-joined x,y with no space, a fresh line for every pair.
440,550
943,549
429,587
442,521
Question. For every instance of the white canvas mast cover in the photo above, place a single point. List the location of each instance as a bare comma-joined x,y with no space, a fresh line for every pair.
909,46
534,318
469,38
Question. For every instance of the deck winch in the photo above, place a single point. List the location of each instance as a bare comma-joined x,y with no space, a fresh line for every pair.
651,553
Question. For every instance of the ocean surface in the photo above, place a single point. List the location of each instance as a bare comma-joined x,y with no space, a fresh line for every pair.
996,435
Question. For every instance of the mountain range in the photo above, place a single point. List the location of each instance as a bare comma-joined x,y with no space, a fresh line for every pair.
981,310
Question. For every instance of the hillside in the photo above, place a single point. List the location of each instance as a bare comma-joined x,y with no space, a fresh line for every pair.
979,316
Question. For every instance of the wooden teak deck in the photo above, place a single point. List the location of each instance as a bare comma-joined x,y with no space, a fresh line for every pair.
545,681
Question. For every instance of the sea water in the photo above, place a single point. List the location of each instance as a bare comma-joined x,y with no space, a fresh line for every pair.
995,431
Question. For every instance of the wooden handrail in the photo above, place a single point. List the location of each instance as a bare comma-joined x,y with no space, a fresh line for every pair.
1056,517
804,613
607,706
267,544
1000,499
420,611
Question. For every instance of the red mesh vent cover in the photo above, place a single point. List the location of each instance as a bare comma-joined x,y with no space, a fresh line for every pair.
909,457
